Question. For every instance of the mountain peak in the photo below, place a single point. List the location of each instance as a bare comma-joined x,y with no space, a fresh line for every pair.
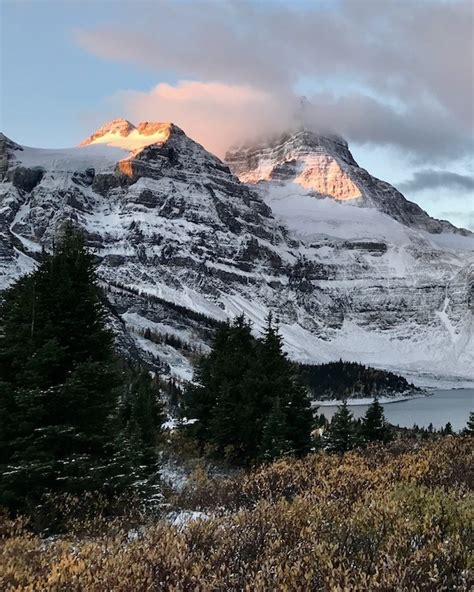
119,127
314,161
305,162
121,133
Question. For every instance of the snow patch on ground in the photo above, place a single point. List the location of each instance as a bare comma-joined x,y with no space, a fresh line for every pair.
174,475
184,517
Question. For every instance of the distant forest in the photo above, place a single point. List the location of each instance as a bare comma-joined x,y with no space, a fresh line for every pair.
340,380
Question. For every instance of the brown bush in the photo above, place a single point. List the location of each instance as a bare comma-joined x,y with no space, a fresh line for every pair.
383,519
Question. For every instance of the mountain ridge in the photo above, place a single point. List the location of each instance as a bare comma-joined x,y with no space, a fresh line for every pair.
172,226
306,157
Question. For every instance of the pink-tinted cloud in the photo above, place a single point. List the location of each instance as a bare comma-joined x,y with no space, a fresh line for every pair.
215,114
219,115
410,62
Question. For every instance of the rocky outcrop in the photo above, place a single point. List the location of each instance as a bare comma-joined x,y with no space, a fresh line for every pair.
7,149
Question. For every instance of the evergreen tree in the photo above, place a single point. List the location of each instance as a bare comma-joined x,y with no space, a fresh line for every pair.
174,395
469,429
141,416
339,380
220,398
341,435
280,381
448,429
374,426
58,381
244,391
274,441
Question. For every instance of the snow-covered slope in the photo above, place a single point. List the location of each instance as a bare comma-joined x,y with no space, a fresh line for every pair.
351,268
123,134
324,166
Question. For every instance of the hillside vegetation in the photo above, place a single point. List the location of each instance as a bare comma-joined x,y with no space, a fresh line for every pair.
386,518
340,380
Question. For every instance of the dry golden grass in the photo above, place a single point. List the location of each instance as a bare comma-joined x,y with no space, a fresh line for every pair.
381,519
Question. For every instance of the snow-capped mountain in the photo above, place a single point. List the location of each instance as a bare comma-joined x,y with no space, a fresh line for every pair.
351,267
323,166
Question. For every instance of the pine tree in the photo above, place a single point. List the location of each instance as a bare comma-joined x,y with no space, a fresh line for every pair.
235,393
58,381
280,381
141,416
469,429
374,426
341,436
221,396
448,429
274,441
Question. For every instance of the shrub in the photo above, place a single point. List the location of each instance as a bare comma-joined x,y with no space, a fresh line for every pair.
384,518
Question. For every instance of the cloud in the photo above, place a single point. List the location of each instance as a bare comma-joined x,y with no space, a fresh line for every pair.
215,114
389,73
432,179
219,115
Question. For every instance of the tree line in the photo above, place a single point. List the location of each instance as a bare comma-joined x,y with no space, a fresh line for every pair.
341,380
251,405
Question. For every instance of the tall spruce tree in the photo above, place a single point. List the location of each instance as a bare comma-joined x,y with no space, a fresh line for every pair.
220,398
374,427
280,383
448,429
58,381
469,429
141,415
341,435
244,392
274,435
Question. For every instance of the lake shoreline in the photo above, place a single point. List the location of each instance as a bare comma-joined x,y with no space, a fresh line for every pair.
437,408
355,401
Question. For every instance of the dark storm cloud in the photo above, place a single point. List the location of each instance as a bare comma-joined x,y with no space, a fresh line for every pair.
398,72
431,179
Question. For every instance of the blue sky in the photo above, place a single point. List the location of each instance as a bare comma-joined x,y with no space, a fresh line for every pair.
395,78
53,90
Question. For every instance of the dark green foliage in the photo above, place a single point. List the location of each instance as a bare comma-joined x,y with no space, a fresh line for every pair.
342,380
280,387
221,398
374,426
321,421
341,435
59,382
167,338
141,415
274,442
247,389
469,429
448,429
175,395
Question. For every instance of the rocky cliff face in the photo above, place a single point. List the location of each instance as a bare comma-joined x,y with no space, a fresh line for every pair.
183,243
325,167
